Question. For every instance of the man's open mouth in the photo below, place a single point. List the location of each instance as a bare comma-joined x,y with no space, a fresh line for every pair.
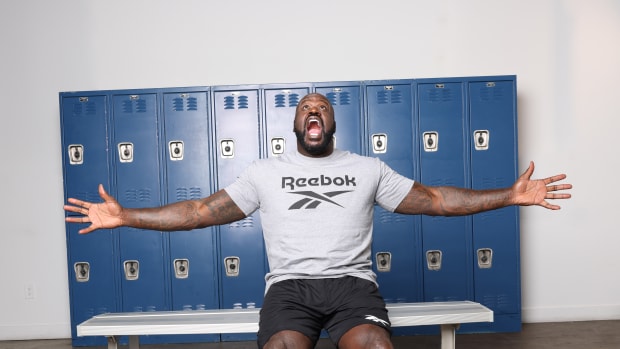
314,127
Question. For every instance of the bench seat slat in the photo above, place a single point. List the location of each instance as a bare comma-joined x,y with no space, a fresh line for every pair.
246,320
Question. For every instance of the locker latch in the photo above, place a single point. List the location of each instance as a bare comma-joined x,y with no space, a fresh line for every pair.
76,154
176,150
232,266
277,146
82,271
433,259
132,270
227,148
431,141
379,143
384,261
125,152
481,139
181,268
485,258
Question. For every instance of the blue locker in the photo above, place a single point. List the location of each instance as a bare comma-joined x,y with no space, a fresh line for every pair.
192,266
496,255
241,246
92,286
389,108
138,169
446,241
280,103
346,99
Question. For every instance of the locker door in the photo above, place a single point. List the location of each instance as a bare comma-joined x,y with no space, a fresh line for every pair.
280,104
242,251
92,284
347,103
494,164
390,117
137,166
445,240
193,257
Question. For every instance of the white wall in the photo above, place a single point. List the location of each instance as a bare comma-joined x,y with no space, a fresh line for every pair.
566,55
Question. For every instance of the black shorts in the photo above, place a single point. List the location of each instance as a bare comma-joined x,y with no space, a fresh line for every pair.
310,305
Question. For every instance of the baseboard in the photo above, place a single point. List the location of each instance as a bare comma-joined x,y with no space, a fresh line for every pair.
571,313
35,331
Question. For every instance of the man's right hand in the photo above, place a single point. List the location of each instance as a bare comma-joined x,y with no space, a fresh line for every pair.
105,215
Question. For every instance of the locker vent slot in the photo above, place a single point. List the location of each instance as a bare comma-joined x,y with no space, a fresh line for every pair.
501,302
185,103
389,97
339,98
240,101
286,100
92,196
138,195
247,222
440,95
386,217
491,92
84,108
90,312
192,193
229,102
134,105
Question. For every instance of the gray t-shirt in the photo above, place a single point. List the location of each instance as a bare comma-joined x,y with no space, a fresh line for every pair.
317,213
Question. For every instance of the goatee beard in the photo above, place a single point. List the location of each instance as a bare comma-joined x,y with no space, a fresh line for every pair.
318,149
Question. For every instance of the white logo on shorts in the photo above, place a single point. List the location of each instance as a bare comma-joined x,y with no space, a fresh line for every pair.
376,319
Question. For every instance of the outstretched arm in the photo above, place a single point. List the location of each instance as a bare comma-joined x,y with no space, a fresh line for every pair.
184,215
452,201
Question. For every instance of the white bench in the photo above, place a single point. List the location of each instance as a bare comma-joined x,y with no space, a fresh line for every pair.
448,315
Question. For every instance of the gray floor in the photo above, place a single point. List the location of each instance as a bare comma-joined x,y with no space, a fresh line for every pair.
562,335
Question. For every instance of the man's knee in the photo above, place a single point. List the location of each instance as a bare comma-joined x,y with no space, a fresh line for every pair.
366,336
289,340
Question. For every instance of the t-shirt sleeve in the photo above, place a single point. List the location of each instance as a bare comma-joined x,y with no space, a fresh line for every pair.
243,192
392,189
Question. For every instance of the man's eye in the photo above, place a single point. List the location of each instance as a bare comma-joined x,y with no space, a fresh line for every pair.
305,107
323,107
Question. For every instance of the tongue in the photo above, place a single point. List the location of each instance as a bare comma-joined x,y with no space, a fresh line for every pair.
314,129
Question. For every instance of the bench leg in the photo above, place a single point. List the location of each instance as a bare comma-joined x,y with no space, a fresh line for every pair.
112,342
134,342
448,336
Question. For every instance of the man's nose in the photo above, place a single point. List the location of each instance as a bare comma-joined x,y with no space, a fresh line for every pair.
314,109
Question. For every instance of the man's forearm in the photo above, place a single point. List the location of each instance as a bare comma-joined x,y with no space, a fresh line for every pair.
185,215
177,216
459,201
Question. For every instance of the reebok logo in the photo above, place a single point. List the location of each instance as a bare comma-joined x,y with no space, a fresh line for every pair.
313,199
376,319
322,180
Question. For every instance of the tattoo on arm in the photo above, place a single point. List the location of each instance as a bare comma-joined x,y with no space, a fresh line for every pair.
452,201
185,215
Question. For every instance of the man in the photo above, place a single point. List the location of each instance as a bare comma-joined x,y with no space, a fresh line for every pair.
320,266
